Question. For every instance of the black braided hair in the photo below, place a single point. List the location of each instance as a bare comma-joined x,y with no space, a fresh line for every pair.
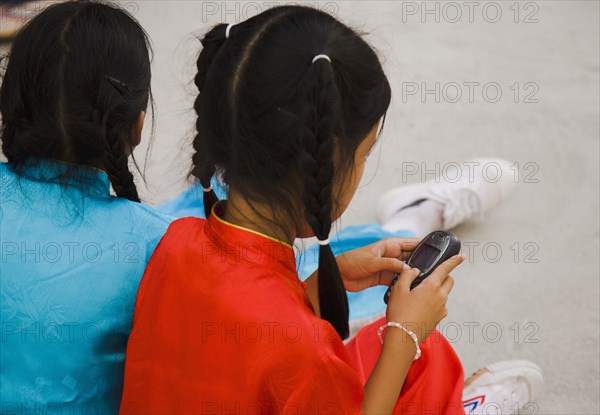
269,122
116,162
112,94
202,168
76,81
317,147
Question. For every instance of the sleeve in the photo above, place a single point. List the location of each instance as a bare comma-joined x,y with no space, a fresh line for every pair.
313,375
329,386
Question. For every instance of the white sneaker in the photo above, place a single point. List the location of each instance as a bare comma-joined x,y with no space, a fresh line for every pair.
466,192
504,388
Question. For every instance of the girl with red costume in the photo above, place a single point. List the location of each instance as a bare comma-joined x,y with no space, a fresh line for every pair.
291,102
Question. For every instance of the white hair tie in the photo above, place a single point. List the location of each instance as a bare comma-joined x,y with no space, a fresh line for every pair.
227,30
323,242
207,189
316,58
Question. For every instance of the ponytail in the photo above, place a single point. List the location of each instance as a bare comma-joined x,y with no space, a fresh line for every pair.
116,161
202,170
210,197
320,116
117,167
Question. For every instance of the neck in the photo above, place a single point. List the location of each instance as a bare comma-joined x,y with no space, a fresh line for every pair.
256,217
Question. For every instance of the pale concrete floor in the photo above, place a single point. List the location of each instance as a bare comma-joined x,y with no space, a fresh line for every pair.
540,299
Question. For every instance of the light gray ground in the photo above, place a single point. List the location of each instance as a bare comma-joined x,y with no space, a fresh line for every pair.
530,289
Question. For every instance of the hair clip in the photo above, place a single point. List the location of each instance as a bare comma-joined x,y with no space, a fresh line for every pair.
120,86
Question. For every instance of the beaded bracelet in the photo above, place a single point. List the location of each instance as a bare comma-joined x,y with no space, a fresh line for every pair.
400,326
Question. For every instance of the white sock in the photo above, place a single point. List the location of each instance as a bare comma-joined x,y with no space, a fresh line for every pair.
421,219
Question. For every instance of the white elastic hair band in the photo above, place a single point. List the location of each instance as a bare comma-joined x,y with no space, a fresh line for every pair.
316,58
227,30
207,189
323,242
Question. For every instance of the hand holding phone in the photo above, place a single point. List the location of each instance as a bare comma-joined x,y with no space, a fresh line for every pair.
434,249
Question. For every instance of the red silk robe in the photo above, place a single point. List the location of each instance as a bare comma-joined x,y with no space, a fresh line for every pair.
222,324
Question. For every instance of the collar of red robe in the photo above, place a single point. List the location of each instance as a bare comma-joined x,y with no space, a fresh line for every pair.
238,244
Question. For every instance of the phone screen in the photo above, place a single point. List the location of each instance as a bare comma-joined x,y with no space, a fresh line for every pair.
425,257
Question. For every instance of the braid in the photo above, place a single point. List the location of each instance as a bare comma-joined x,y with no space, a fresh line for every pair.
317,148
117,166
115,157
210,197
202,168
111,94
211,44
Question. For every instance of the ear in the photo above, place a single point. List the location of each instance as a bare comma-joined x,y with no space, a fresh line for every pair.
136,130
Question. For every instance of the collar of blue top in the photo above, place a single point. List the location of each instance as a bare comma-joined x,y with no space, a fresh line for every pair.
89,180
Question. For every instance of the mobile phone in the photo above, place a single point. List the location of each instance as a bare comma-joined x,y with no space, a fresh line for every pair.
434,249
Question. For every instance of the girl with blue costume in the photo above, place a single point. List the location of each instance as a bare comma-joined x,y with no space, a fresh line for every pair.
73,100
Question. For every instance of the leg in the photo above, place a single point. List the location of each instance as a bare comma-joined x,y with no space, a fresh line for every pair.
461,194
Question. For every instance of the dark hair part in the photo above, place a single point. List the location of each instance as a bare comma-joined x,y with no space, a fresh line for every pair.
270,120
77,79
